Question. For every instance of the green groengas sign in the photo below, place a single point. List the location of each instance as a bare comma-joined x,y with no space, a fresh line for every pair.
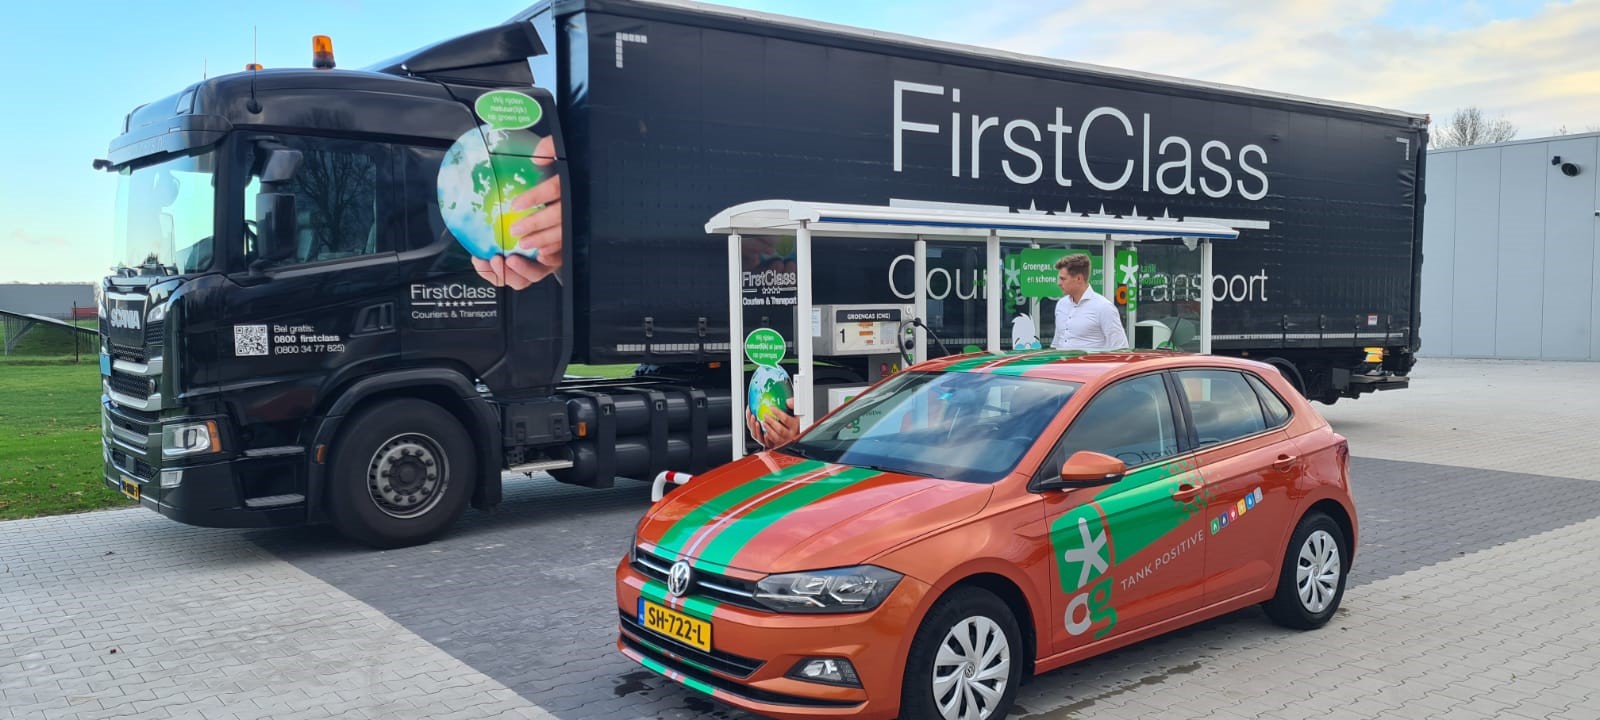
764,347
506,110
1036,270
769,387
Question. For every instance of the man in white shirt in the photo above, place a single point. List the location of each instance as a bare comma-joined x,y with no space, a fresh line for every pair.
1085,319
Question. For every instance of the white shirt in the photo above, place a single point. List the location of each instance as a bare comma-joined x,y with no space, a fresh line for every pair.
1092,323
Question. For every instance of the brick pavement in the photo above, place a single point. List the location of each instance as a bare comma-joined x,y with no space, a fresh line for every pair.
127,614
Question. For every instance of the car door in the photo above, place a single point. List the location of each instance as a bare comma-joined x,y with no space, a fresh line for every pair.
1249,466
1125,554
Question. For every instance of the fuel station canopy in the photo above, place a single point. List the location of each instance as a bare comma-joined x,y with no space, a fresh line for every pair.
916,225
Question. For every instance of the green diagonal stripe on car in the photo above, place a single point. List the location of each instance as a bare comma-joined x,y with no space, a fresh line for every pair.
1027,362
655,591
726,544
676,537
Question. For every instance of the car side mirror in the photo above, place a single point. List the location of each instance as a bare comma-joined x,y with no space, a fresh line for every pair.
1086,469
276,226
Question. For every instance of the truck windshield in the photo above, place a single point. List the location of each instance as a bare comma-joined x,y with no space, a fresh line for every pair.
164,216
972,427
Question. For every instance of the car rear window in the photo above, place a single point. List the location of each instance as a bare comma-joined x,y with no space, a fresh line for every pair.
1277,409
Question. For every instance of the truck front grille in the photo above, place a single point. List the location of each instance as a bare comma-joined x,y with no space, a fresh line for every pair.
155,336
128,353
130,385
131,465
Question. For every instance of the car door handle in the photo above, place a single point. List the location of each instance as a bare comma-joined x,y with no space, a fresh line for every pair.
1186,491
1284,462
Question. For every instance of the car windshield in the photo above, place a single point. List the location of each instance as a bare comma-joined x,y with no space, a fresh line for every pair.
164,216
972,427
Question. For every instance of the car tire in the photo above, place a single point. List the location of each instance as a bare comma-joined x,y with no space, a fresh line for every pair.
1312,579
389,449
940,672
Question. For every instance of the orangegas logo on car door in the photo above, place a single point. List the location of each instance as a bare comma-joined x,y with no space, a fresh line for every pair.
1101,546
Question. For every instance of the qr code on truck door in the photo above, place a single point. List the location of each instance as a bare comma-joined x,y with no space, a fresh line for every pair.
249,340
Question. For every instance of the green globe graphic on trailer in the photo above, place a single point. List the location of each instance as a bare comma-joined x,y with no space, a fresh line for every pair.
485,170
769,390
769,387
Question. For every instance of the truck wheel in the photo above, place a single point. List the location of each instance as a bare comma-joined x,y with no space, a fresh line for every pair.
402,473
965,661
1290,373
1311,581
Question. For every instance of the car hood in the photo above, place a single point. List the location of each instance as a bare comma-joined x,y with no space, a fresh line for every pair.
772,513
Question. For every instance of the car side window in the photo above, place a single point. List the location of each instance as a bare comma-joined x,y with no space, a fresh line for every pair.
338,203
1131,420
1222,404
1277,409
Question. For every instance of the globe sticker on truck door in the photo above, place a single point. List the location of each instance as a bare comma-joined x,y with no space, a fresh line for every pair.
486,169
769,385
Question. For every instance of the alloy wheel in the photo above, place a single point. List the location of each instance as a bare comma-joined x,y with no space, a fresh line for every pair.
971,670
1317,571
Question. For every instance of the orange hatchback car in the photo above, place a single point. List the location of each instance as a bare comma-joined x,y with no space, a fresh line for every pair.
977,518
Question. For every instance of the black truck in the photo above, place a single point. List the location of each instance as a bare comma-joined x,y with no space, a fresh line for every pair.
352,296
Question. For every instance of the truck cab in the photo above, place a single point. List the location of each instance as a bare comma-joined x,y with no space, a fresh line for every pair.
290,282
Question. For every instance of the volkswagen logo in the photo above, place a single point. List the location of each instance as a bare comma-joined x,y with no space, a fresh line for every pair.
678,578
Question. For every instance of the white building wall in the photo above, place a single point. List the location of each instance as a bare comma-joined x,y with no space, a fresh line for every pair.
1510,266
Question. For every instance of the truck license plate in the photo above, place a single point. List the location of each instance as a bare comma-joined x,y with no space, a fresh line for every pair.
675,625
130,488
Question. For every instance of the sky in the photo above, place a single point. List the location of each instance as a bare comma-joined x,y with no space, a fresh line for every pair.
74,71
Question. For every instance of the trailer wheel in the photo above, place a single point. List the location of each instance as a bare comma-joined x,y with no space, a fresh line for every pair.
1290,373
402,474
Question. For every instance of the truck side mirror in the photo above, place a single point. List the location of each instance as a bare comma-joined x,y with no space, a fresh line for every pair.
282,163
276,226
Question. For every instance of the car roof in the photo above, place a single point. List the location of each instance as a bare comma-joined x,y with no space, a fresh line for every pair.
1076,365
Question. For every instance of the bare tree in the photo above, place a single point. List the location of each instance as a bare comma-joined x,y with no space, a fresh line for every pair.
1469,126
1587,128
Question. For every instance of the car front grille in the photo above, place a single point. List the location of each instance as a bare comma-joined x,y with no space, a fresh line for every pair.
721,588
725,685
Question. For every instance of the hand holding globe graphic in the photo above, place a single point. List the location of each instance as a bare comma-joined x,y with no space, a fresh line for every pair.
538,231
776,427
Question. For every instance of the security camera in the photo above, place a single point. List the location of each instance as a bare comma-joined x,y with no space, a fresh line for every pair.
1569,169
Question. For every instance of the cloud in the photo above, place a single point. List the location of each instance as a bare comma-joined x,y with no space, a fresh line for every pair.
28,255
18,236
1536,70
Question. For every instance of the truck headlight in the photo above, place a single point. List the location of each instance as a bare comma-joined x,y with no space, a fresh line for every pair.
842,590
190,439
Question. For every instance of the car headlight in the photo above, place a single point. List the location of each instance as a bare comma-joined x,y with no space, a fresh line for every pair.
190,439
157,313
842,590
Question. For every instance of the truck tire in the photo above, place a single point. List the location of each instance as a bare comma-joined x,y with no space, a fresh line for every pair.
1290,373
943,679
402,473
1311,581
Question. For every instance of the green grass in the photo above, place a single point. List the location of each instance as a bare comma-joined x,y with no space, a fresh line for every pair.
50,441
48,345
